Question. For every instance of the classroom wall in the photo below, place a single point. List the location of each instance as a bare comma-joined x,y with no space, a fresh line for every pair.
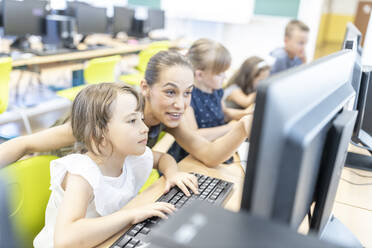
259,36
335,15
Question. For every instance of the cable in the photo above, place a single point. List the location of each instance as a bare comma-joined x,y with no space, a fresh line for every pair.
357,184
358,174
361,146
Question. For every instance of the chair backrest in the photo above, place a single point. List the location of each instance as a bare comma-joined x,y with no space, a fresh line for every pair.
101,70
145,54
27,182
5,69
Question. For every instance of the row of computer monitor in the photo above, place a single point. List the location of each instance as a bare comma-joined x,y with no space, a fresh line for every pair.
21,18
303,122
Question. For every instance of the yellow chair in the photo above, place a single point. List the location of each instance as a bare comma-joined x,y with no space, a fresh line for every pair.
101,70
143,58
28,183
5,69
97,70
71,93
154,176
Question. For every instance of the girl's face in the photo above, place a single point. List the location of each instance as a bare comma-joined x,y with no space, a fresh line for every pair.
261,76
210,80
126,130
168,98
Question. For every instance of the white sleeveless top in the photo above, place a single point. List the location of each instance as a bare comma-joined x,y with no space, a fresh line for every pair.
110,193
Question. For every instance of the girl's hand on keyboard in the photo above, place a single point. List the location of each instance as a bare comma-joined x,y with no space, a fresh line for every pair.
159,209
183,180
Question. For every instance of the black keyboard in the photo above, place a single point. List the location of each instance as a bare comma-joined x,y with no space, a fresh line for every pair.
211,189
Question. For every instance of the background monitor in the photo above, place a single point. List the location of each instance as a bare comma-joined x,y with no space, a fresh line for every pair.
352,41
123,18
367,116
23,18
156,19
300,134
362,133
353,32
90,19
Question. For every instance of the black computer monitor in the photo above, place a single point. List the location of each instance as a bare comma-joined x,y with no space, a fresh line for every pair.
23,18
123,18
90,19
352,41
300,134
362,133
367,116
156,19
353,32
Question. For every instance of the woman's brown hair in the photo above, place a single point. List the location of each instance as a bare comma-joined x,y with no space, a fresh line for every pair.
92,111
163,60
244,77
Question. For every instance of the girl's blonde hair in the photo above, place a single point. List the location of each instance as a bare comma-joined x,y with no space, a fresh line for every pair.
247,72
206,54
92,111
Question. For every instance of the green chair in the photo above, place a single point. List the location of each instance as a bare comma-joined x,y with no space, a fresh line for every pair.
154,176
71,93
97,70
5,69
143,58
28,184
101,70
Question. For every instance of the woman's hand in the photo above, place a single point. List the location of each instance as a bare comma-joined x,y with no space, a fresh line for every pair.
183,180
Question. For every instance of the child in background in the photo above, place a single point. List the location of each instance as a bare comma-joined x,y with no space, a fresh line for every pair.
293,52
90,190
210,60
240,91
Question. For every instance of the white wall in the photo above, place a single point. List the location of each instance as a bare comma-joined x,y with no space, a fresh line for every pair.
257,37
367,49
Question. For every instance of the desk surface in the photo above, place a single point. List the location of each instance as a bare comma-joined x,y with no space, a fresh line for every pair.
352,206
79,55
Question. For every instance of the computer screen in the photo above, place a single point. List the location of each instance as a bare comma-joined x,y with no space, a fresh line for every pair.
367,116
156,19
90,19
361,83
352,41
23,18
123,18
299,136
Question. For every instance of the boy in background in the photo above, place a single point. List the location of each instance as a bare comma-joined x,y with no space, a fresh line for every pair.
293,52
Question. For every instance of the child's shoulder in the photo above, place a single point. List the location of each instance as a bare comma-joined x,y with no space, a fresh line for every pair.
73,158
146,156
77,164
279,53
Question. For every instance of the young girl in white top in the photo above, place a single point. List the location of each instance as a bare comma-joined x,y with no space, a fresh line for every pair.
89,190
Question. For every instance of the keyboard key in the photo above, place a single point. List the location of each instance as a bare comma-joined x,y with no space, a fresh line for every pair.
134,242
211,189
124,241
145,230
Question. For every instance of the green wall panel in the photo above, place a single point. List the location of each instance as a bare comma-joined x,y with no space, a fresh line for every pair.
147,3
286,8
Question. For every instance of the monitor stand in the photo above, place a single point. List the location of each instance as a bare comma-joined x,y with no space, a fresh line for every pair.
359,161
337,233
